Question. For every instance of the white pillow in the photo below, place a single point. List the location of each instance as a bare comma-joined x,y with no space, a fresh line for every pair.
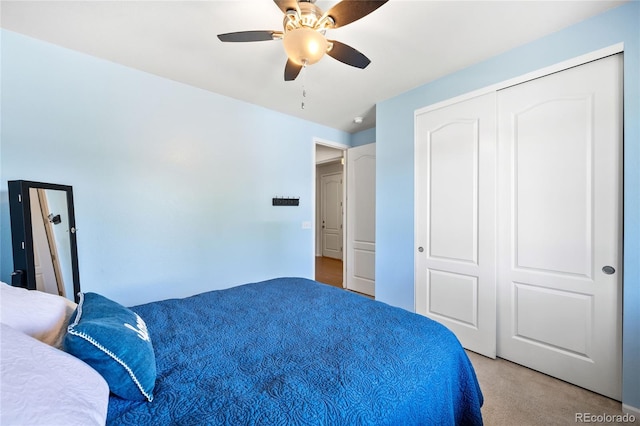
41,315
42,385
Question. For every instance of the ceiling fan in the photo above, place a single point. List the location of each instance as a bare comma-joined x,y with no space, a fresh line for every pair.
305,25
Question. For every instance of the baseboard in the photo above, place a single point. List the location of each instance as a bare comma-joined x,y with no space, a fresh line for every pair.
631,410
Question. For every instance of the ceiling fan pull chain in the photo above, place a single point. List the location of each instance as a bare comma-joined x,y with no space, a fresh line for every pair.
304,80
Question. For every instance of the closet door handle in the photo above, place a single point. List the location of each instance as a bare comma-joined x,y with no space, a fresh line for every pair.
609,270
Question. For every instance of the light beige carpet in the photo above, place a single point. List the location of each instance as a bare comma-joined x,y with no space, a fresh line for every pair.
515,395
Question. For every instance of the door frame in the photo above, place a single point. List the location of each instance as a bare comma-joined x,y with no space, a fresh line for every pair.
314,225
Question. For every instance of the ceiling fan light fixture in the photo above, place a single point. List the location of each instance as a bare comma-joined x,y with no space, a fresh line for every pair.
305,46
305,25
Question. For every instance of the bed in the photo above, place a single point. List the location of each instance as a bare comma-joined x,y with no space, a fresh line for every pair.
290,351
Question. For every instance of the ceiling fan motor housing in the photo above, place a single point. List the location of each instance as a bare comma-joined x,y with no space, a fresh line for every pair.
304,39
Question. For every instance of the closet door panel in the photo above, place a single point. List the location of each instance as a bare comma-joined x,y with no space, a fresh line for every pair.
453,193
559,215
455,220
553,182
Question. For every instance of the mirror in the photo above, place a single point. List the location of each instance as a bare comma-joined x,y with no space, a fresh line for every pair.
43,231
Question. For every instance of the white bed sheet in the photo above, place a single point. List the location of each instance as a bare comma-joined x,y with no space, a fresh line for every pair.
42,385
40,315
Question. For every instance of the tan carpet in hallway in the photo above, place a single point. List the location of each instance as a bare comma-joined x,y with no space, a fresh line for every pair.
517,396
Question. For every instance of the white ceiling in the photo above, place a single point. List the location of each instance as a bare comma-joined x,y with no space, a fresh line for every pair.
410,42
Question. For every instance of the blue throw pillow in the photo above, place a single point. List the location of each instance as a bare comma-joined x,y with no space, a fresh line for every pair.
114,341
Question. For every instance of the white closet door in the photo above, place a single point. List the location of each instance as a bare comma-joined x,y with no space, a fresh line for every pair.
455,220
559,221
361,219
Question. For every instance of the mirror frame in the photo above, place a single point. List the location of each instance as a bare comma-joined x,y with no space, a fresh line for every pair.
24,274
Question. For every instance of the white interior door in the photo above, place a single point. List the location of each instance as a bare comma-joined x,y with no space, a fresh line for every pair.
455,225
331,215
361,219
560,225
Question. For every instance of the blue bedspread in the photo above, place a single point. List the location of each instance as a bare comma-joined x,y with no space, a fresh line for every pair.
292,351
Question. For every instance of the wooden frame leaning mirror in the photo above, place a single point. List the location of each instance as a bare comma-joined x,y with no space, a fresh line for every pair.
43,232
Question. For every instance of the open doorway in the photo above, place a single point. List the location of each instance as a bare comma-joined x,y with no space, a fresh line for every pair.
345,216
330,209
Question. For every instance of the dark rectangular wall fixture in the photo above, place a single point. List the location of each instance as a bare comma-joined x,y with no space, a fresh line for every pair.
285,202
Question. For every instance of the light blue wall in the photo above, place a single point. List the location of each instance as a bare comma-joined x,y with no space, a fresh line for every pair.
395,161
172,184
363,137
